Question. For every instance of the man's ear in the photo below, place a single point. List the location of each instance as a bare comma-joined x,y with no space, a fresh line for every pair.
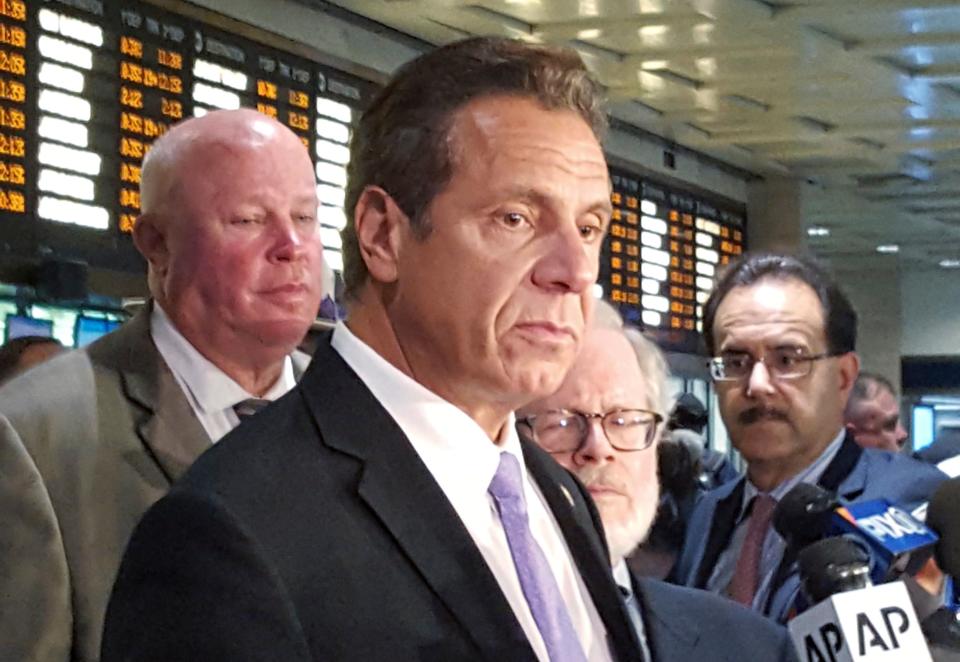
849,365
150,239
379,224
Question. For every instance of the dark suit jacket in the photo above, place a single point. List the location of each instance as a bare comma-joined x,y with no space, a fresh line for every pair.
688,625
88,441
855,474
315,532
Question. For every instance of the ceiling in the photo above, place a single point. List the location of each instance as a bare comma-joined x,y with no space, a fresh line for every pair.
860,97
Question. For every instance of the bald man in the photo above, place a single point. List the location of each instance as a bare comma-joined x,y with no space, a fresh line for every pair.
88,441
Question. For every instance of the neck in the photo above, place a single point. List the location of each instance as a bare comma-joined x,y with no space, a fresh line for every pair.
255,379
369,322
253,364
768,475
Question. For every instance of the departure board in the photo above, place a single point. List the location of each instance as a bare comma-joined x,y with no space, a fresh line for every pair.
86,86
660,260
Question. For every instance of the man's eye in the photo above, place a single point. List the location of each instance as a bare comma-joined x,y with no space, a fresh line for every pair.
513,219
736,361
590,232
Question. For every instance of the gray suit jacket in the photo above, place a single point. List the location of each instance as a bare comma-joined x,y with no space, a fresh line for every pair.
88,441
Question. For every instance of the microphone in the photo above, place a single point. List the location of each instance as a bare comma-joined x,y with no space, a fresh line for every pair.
853,621
899,543
943,516
942,628
803,515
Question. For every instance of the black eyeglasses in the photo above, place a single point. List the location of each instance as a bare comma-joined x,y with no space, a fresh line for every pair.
564,431
781,363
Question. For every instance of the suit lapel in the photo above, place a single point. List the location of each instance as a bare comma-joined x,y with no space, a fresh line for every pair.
721,529
165,422
845,474
588,552
672,635
402,494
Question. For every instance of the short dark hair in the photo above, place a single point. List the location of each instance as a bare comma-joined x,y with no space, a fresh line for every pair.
11,352
840,319
401,141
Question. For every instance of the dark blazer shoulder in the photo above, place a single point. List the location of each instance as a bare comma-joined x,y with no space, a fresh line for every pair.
710,627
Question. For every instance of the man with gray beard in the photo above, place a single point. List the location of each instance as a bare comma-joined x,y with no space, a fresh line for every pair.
603,425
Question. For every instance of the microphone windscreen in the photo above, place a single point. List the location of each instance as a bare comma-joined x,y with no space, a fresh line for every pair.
802,515
943,516
833,565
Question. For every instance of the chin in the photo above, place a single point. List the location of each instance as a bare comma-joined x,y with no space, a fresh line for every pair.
625,531
535,384
282,333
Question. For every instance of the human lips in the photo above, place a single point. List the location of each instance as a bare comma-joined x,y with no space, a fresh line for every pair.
286,290
601,490
547,331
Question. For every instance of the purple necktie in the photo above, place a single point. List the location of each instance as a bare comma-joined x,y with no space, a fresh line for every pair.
536,579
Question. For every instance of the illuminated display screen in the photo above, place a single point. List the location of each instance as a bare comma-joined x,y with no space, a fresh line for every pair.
88,329
661,256
18,326
87,85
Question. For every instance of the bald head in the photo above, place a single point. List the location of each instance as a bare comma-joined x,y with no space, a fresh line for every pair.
176,155
229,230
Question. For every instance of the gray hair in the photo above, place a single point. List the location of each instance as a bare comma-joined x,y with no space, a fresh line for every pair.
653,365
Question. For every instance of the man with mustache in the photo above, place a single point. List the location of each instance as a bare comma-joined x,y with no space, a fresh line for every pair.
783,337
385,509
90,439
604,425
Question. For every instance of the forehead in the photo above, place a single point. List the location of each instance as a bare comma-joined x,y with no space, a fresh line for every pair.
883,402
495,139
769,310
605,375
229,173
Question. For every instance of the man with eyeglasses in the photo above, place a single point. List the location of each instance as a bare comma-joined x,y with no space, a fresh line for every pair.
604,425
782,335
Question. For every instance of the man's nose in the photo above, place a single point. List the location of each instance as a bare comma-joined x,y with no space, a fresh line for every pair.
596,447
759,381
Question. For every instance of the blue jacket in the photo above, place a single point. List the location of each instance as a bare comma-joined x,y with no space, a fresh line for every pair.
855,474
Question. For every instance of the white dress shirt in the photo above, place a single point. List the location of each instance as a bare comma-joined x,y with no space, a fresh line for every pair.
463,460
210,391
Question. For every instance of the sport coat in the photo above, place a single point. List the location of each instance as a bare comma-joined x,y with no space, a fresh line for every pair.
88,441
315,532
855,474
688,625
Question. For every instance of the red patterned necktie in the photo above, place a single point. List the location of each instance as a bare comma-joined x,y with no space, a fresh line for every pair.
746,577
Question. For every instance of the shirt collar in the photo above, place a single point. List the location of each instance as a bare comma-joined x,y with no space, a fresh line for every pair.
210,388
811,474
621,575
454,447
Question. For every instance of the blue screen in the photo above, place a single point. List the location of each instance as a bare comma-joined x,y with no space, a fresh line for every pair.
89,329
21,325
922,426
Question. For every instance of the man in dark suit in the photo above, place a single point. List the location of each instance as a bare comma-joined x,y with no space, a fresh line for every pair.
386,509
604,425
783,338
89,440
